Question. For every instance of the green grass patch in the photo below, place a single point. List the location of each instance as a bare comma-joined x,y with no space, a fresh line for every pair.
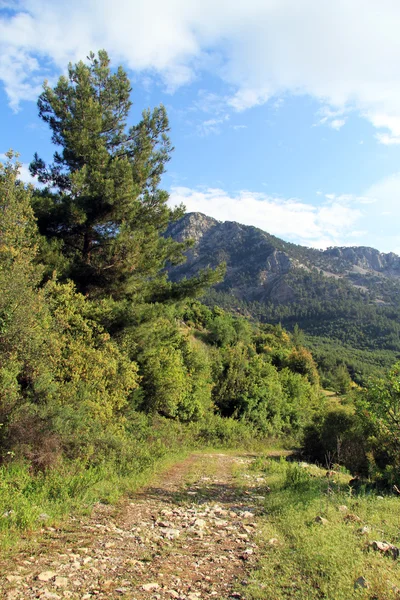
303,559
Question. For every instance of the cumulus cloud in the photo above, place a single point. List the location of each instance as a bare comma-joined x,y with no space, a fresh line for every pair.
332,223
344,54
329,219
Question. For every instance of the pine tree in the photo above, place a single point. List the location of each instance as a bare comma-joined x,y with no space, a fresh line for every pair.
103,208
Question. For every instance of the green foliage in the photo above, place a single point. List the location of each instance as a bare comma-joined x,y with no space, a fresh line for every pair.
337,436
103,209
107,366
379,406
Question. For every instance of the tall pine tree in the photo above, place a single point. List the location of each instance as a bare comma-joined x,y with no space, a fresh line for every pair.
103,208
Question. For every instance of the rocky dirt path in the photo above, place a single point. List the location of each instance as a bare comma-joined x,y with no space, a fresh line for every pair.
190,536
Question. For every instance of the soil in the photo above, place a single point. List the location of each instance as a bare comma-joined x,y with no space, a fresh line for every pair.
189,536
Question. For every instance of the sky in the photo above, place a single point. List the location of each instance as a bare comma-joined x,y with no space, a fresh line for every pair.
284,114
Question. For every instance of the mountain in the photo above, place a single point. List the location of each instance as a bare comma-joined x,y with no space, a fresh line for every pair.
351,295
263,267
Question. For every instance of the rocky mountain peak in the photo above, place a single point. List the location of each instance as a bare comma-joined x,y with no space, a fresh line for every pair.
191,226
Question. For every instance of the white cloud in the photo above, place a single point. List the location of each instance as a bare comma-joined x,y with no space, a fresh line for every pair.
292,219
211,125
337,123
387,139
344,54
368,219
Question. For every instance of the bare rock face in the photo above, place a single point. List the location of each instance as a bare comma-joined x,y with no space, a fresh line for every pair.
367,258
255,266
193,226
263,268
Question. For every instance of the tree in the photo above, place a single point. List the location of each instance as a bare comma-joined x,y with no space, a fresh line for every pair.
24,318
103,208
298,336
341,379
379,405
21,306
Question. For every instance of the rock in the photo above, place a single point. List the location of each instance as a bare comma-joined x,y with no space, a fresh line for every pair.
172,593
321,520
171,534
351,518
44,517
193,596
61,582
361,582
46,575
380,498
273,541
14,578
246,554
246,514
343,508
199,524
51,595
386,548
364,530
150,587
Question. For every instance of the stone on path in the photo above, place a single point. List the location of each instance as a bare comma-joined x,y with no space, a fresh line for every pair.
61,582
46,575
150,587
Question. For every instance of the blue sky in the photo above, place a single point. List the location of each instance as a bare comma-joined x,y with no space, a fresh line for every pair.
285,114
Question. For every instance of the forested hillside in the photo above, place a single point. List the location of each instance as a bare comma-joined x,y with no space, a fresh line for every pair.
345,299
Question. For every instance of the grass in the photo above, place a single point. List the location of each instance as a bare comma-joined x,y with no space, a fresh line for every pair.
28,501
308,560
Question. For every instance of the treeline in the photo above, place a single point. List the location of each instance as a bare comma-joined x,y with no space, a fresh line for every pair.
97,346
363,337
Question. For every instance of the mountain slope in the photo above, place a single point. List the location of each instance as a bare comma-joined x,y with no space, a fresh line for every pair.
348,294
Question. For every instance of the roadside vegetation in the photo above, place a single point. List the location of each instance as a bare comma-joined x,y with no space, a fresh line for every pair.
316,538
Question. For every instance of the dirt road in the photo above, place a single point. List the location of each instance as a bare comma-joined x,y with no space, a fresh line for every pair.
189,536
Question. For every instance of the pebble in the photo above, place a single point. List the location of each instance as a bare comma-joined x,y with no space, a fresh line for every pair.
14,578
61,582
149,587
361,582
46,575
